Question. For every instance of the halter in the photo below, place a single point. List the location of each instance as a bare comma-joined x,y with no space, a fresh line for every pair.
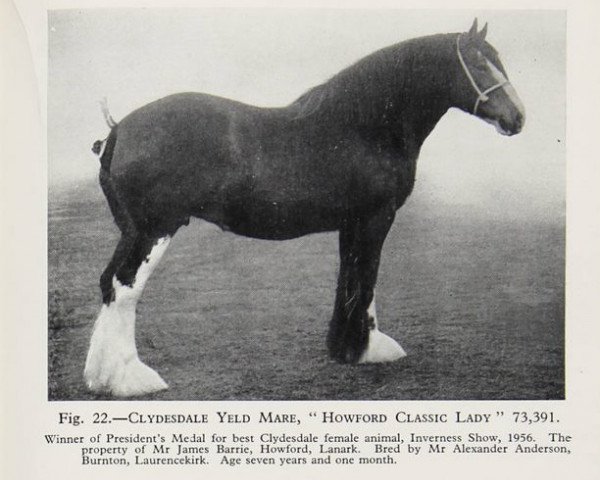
482,95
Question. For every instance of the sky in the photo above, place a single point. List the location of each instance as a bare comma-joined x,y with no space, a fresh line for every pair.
269,57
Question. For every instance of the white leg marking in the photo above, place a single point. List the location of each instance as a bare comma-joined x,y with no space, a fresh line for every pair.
380,348
112,363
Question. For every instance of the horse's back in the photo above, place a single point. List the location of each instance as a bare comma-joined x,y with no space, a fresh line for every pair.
181,124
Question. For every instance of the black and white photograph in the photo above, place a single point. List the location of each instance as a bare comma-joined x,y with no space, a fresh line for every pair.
306,204
299,239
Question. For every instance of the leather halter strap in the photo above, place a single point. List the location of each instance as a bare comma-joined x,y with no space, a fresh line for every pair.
482,95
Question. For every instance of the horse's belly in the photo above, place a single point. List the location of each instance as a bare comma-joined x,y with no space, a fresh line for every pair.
279,221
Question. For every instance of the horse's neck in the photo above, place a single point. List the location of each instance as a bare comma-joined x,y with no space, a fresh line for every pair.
424,86
417,122
407,126
401,92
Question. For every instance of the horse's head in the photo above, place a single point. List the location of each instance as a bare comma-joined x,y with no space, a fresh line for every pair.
482,87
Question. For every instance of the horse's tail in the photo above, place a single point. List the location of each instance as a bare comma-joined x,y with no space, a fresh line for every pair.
104,148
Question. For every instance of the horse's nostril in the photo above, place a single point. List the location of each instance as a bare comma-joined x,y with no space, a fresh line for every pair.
520,121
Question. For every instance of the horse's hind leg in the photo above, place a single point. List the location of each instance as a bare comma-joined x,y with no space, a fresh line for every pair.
112,363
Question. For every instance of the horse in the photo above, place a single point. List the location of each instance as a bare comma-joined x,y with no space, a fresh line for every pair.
341,158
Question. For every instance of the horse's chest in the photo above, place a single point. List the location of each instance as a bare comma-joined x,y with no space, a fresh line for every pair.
385,178
404,180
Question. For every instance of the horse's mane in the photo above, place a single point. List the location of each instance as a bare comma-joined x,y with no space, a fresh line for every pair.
366,90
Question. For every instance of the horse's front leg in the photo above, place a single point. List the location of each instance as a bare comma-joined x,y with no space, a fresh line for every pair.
353,335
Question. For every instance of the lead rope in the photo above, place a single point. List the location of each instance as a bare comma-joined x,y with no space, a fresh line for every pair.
482,95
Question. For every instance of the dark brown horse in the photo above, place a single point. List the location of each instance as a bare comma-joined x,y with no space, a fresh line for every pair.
340,158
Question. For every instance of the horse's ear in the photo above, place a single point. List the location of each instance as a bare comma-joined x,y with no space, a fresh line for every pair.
473,30
481,35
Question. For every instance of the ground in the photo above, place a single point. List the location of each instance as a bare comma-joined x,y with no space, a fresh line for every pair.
477,303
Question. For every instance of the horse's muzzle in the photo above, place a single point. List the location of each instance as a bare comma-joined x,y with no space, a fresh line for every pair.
512,126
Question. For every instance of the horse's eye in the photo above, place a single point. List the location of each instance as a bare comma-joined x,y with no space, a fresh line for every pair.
480,62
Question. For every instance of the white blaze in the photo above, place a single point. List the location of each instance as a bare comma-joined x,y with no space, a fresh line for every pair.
508,88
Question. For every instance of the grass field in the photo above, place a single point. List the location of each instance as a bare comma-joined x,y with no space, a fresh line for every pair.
477,303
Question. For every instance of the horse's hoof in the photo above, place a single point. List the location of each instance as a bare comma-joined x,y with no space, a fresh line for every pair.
137,379
125,380
381,348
